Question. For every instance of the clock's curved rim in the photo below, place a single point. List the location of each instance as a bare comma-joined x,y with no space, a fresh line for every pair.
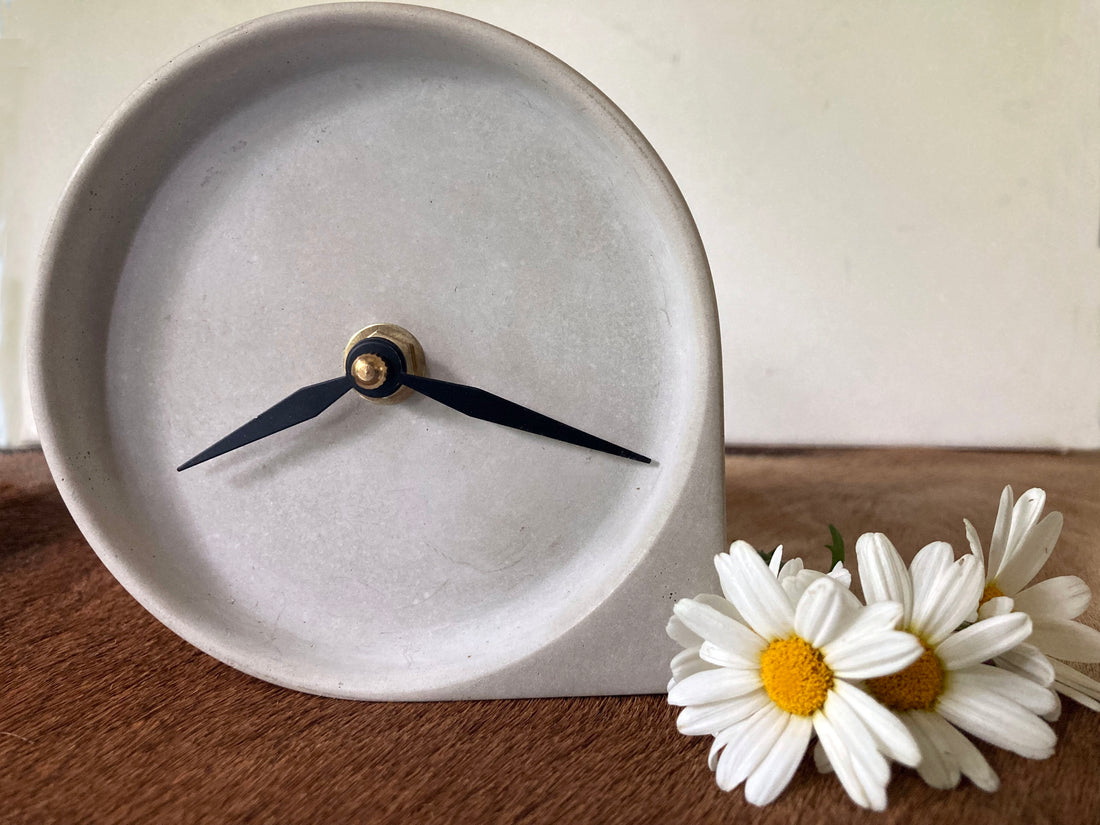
66,465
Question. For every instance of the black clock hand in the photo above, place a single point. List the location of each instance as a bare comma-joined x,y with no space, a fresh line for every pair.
303,405
376,367
488,407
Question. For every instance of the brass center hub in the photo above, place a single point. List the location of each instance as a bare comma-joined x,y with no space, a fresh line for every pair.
369,371
372,373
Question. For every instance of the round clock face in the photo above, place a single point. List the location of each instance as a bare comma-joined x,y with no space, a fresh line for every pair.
277,189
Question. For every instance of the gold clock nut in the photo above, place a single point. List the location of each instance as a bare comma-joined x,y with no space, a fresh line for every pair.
404,340
369,371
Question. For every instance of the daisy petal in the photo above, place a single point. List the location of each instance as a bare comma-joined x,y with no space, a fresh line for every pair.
1063,597
743,754
821,759
883,574
775,563
892,736
679,633
733,733
1078,697
718,628
687,662
948,600
1072,677
963,753
701,720
792,568
974,541
875,618
1077,685
983,640
1025,515
842,574
754,591
720,604
1019,689
861,746
937,767
874,655
715,752
821,613
714,686
1029,661
1062,639
841,761
1001,528
795,584
871,769
724,657
929,566
775,772
997,606
1023,562
1054,715
997,720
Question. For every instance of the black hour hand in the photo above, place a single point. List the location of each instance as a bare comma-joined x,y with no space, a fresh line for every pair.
300,406
488,407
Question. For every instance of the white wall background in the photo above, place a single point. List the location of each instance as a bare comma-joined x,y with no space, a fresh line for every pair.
900,201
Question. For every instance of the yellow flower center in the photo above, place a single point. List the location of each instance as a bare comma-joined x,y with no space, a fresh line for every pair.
991,592
795,675
915,688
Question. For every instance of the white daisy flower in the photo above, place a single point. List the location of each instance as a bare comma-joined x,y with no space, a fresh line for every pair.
762,672
949,687
1020,545
793,577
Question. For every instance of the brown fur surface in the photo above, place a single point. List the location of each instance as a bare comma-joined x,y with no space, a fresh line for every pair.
106,716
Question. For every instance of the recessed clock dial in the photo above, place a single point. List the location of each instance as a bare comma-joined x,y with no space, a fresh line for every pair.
267,194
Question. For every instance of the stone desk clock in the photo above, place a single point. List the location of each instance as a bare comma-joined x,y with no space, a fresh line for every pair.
368,220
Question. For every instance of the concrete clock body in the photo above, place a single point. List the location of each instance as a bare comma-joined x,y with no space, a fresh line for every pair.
295,179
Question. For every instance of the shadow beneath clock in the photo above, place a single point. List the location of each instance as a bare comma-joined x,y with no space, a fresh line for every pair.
268,458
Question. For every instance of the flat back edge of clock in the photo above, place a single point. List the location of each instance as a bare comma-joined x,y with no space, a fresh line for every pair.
619,646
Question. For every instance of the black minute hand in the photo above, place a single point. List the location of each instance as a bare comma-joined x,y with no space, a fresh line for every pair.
300,406
488,407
